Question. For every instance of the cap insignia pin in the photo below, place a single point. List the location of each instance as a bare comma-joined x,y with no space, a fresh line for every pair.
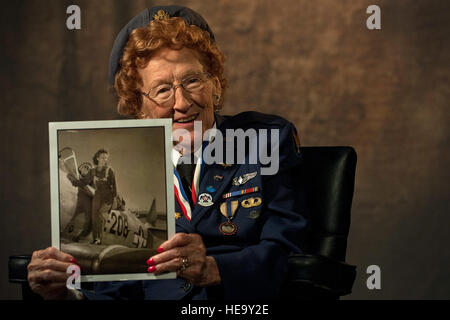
161,15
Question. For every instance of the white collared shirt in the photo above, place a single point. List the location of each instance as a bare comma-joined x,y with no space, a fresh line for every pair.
198,153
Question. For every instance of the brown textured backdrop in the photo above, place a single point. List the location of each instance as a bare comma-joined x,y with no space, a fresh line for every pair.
385,92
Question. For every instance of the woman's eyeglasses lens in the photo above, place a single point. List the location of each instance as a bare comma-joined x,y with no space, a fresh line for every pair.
164,92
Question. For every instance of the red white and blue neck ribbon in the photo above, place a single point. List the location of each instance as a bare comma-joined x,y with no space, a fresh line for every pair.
180,195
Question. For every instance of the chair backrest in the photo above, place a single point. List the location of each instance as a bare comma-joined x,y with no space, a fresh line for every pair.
328,174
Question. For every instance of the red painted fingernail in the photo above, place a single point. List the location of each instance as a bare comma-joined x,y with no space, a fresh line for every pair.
72,260
151,269
160,249
150,262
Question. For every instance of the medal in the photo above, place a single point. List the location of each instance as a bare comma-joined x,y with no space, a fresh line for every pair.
210,189
228,209
243,179
205,200
218,177
228,228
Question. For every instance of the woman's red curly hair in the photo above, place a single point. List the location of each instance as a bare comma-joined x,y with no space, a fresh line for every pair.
145,41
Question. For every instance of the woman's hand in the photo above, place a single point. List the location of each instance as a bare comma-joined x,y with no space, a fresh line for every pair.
47,273
186,254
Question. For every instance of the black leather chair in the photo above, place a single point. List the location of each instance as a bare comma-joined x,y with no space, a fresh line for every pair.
327,177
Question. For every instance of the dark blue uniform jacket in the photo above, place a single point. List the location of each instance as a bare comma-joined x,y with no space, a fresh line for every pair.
253,262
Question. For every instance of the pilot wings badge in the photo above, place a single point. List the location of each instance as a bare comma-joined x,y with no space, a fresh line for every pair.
243,179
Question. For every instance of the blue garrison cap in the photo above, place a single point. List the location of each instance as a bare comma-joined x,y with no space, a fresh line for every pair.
144,18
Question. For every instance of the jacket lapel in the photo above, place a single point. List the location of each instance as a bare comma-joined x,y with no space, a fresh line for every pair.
208,179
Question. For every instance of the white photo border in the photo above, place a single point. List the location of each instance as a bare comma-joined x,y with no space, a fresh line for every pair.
54,127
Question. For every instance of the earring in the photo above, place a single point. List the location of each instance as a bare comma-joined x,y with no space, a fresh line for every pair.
142,115
217,105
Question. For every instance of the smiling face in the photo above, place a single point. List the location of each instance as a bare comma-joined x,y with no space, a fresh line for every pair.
84,170
172,66
102,160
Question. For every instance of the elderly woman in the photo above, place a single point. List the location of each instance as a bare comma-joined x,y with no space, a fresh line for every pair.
235,227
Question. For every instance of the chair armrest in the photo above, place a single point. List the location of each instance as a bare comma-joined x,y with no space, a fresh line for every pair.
309,276
17,268
315,276
18,273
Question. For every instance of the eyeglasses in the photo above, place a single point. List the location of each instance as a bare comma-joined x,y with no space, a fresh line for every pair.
163,93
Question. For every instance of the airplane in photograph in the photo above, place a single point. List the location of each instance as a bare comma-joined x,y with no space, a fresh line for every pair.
129,236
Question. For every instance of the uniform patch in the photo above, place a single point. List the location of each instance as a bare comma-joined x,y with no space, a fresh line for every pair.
205,200
254,214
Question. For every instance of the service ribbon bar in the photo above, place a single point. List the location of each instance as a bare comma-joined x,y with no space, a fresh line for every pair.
240,192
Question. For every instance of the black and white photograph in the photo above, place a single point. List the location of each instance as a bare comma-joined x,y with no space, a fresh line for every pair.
111,209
